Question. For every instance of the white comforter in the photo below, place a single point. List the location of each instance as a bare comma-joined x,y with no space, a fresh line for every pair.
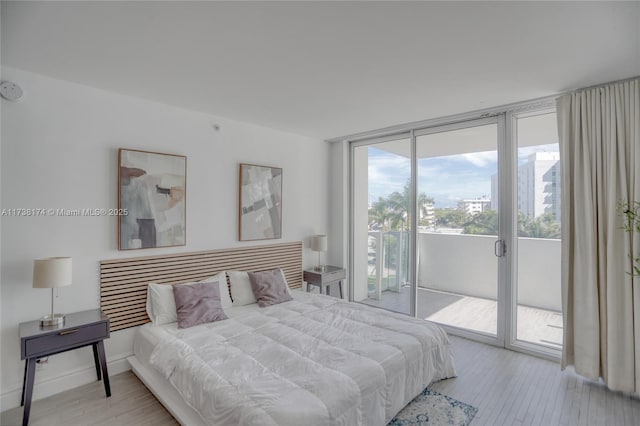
313,361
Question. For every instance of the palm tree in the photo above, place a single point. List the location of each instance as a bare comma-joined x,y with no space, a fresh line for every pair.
379,215
543,226
450,218
400,206
483,223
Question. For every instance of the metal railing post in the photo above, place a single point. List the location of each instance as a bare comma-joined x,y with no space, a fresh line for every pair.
379,265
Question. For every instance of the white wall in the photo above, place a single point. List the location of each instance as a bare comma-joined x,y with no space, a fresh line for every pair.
59,150
458,263
539,273
360,222
339,213
465,264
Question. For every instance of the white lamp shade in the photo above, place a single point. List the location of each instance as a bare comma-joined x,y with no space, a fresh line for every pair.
52,272
318,243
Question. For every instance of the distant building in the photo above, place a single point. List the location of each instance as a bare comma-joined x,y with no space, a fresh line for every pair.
539,185
495,190
430,214
476,205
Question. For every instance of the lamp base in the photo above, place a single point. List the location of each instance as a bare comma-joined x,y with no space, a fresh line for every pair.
52,320
319,268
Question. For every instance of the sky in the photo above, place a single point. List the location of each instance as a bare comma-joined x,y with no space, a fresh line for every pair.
447,179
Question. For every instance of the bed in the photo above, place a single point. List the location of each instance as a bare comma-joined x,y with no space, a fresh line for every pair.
315,360
312,360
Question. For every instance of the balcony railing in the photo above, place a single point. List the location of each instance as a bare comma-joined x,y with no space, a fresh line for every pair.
388,261
464,264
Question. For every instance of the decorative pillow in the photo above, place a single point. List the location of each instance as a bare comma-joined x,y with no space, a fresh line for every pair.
269,287
197,303
241,292
161,305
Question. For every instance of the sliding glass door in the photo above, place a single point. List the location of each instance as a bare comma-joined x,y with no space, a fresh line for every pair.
536,301
457,267
381,222
482,256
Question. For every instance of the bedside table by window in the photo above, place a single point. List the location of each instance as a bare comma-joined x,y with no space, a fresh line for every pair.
324,279
80,329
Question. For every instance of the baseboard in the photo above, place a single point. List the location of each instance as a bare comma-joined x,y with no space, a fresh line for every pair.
71,379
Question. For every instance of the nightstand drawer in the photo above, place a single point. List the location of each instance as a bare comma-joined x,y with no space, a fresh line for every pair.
334,276
65,339
312,277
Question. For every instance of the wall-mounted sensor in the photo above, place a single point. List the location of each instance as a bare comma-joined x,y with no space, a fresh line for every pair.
10,91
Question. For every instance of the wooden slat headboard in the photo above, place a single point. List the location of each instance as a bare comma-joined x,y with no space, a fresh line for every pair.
123,282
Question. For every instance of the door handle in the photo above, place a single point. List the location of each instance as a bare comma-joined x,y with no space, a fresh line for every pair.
499,248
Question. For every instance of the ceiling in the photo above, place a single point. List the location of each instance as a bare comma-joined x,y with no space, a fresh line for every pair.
326,69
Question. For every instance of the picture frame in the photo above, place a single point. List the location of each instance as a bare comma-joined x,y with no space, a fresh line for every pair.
259,202
152,197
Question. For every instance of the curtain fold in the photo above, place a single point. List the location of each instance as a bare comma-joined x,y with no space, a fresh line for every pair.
599,131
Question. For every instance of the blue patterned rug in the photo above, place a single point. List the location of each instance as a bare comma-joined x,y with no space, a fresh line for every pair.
432,408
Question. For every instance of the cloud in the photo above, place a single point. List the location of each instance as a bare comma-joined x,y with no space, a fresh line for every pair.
447,178
480,159
389,170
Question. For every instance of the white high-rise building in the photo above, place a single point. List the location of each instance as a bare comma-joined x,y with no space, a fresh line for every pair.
539,185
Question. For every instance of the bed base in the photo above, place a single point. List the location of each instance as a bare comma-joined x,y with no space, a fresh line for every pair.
164,392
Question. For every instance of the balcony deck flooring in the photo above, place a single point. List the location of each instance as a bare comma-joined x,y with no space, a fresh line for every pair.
535,325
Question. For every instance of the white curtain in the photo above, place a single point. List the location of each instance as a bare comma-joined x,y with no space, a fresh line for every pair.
599,133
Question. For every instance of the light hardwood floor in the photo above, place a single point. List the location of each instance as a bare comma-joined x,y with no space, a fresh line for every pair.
130,404
535,325
508,388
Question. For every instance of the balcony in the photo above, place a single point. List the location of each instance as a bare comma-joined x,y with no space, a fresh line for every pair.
457,276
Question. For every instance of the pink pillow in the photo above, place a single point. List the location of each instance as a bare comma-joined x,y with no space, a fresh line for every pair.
197,303
269,287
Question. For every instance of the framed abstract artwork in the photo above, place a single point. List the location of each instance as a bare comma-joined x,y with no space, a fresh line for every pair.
260,203
152,190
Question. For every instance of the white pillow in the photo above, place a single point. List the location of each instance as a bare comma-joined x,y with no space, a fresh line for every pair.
285,281
161,306
225,297
241,291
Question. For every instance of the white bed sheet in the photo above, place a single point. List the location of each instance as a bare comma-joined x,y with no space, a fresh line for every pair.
315,360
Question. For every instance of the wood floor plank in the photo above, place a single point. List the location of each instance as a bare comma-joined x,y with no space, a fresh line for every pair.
508,388
517,388
550,396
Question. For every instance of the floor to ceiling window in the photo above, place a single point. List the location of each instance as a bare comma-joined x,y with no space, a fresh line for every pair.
482,257
382,218
457,267
536,285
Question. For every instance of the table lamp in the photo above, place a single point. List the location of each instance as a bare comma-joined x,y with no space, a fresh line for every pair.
52,272
318,243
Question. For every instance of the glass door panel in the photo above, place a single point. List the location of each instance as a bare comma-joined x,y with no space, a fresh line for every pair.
475,187
539,308
381,202
458,226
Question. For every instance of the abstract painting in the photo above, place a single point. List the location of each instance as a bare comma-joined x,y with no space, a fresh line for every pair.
152,192
260,203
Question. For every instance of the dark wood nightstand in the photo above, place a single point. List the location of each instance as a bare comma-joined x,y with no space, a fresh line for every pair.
80,329
325,278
